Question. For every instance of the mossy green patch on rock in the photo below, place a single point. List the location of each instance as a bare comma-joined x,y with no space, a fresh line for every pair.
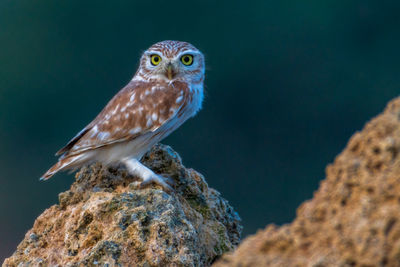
200,205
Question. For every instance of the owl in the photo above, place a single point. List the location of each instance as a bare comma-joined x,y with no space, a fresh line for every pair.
166,90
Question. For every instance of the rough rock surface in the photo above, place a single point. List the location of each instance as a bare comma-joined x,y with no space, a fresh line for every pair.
353,218
106,220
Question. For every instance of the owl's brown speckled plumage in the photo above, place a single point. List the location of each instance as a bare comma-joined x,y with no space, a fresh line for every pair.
158,100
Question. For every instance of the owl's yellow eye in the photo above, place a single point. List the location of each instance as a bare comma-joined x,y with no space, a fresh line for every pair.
187,60
155,59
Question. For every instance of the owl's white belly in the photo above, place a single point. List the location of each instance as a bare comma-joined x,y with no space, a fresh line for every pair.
134,149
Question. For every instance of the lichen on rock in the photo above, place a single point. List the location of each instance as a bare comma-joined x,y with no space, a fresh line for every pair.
353,218
106,220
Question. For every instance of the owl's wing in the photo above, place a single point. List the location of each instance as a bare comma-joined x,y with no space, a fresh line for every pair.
73,141
137,109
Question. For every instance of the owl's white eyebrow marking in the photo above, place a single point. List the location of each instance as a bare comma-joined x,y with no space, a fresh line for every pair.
190,51
151,51
103,135
135,130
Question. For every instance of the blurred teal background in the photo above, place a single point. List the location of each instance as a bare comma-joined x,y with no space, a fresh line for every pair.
288,82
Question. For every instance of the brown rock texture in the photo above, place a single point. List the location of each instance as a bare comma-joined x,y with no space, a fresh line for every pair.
353,218
106,220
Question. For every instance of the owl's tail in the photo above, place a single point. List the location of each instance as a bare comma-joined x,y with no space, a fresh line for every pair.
62,164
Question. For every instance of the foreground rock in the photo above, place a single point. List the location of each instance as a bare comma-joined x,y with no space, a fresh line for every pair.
354,217
105,220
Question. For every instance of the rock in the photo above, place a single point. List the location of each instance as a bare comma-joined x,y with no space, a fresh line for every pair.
353,218
106,220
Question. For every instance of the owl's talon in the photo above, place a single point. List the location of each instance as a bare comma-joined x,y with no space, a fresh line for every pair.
159,180
148,176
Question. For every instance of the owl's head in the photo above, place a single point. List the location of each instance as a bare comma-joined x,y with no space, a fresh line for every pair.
172,60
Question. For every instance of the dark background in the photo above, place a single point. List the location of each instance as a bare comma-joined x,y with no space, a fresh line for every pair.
288,82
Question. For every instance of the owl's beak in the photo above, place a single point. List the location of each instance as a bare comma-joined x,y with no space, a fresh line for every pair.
170,71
